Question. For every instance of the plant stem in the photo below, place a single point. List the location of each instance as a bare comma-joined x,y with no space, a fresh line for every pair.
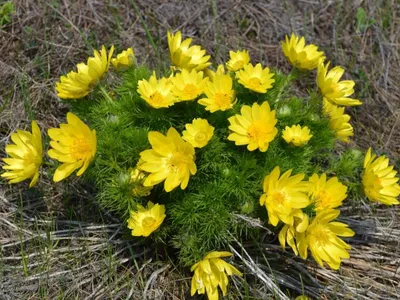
105,94
146,29
48,163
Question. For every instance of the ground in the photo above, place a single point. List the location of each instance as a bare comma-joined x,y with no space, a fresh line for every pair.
57,244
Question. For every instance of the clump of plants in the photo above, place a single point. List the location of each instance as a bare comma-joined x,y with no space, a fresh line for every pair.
178,155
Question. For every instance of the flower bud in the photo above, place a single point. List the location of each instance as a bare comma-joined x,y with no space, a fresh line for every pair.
284,111
247,207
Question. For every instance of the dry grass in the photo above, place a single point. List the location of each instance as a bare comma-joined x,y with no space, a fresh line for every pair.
52,247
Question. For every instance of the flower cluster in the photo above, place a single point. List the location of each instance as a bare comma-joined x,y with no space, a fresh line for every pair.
73,144
76,85
190,121
286,196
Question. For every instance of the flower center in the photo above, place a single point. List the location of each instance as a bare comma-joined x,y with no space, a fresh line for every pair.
177,161
190,91
295,136
80,149
30,158
258,130
223,100
254,83
200,137
279,198
238,65
157,98
321,235
323,200
148,222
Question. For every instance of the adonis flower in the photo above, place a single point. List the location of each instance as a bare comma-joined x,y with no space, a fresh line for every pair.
157,93
255,78
299,55
188,85
124,60
146,220
254,127
326,193
322,238
284,196
25,156
338,121
335,91
211,74
288,233
220,94
74,145
171,159
199,133
185,57
76,85
137,179
238,60
296,135
210,273
380,180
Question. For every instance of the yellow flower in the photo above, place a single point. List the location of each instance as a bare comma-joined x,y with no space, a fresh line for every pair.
254,127
76,85
220,94
211,74
321,237
74,145
188,85
297,135
338,121
288,233
137,179
284,196
334,90
124,60
299,55
211,272
326,193
157,93
199,133
238,60
185,57
302,297
25,156
379,180
255,78
171,159
144,221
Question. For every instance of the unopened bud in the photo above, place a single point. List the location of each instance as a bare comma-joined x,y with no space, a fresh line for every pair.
248,207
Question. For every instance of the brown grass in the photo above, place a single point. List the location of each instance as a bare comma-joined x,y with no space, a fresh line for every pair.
52,247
